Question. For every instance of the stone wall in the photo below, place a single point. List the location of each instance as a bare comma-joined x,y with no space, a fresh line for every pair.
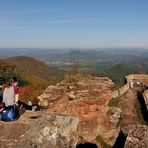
142,78
120,91
123,89
115,94
131,80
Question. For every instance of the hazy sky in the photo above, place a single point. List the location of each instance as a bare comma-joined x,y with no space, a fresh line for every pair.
74,23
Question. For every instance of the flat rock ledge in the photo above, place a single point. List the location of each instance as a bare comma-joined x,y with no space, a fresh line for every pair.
137,137
39,130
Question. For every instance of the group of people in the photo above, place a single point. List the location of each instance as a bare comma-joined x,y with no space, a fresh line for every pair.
10,105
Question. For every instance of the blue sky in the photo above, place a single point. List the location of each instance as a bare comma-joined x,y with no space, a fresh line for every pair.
74,23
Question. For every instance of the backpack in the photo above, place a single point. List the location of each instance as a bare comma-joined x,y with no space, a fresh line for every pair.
10,113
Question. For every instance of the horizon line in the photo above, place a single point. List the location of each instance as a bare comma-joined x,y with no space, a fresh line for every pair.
73,47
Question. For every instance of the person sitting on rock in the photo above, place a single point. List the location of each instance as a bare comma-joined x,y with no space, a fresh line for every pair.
9,110
2,87
21,105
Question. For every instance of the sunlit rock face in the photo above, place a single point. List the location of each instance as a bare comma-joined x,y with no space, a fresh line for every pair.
145,96
137,137
142,78
88,100
39,129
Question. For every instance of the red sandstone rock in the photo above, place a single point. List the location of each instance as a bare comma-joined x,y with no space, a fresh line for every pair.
87,100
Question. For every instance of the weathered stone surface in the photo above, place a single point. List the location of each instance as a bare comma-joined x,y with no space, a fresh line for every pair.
137,137
142,78
88,100
115,114
39,130
131,80
123,89
52,93
145,96
115,93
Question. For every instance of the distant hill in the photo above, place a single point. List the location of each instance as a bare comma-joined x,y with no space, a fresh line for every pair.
36,72
7,71
119,71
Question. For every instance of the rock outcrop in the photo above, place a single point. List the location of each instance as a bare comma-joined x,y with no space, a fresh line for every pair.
78,113
137,137
131,80
39,129
88,100
145,96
